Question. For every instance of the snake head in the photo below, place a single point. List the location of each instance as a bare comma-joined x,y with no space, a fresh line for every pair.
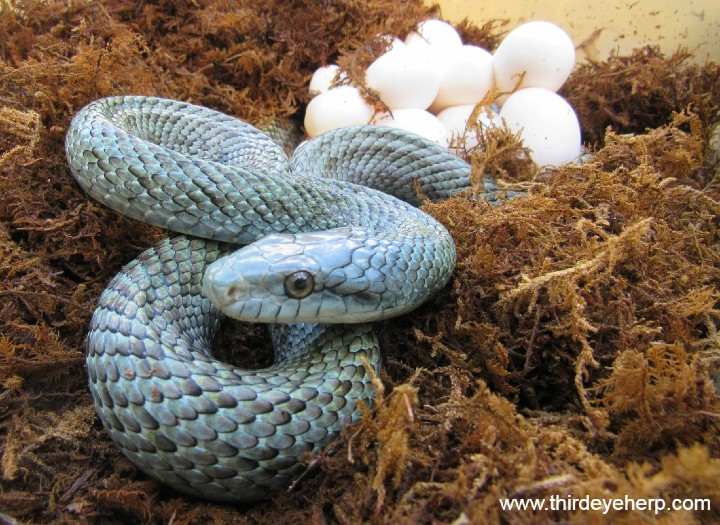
335,276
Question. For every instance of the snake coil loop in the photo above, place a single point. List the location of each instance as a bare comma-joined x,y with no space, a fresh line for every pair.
321,249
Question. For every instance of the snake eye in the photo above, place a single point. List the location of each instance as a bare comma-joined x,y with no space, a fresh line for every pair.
299,285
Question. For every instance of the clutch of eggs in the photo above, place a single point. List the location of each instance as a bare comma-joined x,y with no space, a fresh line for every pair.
431,82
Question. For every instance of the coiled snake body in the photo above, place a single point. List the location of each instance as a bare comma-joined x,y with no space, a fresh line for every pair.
321,249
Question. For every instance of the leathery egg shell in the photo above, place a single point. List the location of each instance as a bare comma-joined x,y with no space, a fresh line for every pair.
548,125
466,78
436,33
455,119
536,54
435,41
322,78
336,108
417,121
402,79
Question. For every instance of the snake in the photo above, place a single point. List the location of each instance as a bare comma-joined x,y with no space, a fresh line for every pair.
319,245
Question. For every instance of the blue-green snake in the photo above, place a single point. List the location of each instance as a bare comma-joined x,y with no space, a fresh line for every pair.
326,252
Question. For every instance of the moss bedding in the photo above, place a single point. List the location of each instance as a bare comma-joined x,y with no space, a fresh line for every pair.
572,354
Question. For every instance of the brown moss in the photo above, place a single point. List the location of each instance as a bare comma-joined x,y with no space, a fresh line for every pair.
571,355
639,91
571,275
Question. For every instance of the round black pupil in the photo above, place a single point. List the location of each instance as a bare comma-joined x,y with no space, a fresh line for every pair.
300,283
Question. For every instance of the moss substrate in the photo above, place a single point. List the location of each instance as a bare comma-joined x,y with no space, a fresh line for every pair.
573,353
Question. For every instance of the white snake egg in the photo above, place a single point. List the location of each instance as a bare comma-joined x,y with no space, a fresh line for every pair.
455,119
549,127
436,33
336,108
536,54
403,78
417,121
466,78
322,78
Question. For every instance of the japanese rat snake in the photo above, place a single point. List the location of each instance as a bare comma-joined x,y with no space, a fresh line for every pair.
326,253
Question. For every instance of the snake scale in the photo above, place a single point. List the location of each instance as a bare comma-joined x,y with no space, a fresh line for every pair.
310,244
